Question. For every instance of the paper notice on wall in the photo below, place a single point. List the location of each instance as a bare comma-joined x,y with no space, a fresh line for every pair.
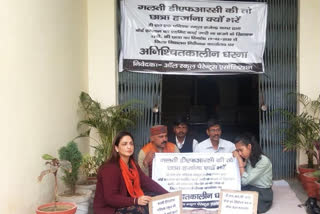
192,37
200,176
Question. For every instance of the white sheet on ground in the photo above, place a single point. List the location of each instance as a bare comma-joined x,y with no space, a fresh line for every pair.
284,199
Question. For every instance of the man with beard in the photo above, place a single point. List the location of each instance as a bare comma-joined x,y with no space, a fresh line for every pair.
214,143
159,143
183,140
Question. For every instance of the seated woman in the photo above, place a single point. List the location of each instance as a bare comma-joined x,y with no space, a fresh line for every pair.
121,185
255,170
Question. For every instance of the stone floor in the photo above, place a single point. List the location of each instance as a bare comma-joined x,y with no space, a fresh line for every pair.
298,189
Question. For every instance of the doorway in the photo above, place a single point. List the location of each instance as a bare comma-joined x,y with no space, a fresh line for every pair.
280,78
230,99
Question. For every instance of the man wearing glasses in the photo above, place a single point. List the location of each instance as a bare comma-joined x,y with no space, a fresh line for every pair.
214,143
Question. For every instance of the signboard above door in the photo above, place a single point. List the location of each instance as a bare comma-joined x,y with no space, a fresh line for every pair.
192,37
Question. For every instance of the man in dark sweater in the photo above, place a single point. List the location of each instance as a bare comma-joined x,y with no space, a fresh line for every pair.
181,138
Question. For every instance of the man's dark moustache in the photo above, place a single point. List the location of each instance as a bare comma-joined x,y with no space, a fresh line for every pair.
164,142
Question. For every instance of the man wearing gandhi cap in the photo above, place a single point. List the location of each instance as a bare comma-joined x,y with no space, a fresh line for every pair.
159,143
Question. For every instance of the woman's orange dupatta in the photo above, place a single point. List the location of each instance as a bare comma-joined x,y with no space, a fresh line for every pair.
131,178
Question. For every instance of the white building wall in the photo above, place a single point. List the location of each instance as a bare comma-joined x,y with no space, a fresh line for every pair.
309,53
102,51
49,52
43,55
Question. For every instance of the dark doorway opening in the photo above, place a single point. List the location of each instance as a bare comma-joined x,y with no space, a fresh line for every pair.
231,99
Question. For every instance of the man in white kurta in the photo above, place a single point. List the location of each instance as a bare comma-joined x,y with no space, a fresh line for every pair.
214,143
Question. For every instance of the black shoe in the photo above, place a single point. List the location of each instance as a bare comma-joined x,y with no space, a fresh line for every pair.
312,206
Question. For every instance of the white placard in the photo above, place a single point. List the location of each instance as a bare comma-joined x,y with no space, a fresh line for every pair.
200,176
240,202
166,204
187,37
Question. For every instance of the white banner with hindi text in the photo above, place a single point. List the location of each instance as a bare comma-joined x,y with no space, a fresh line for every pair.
192,37
200,176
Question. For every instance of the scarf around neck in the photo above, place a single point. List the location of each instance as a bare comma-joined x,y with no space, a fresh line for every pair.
131,178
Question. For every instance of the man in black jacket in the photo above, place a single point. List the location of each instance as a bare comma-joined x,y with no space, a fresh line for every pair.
184,142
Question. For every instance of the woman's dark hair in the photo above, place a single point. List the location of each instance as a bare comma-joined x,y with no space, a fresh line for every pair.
256,151
114,158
